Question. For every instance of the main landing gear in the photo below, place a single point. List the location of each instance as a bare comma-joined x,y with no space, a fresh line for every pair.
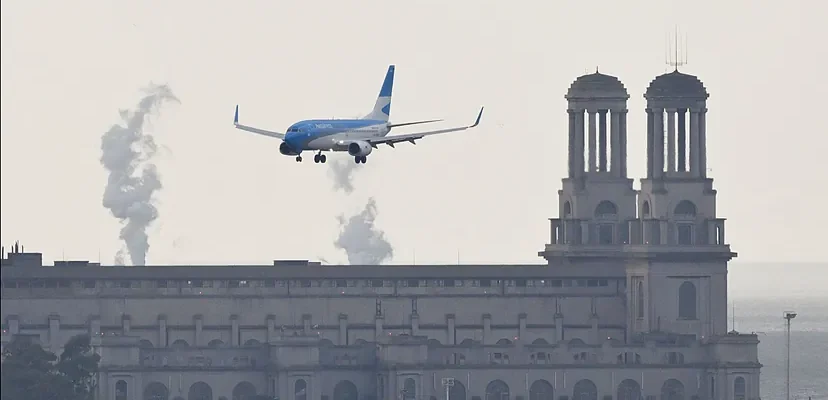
360,159
298,158
319,158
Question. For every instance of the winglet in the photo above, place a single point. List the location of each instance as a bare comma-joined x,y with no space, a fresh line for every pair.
236,117
476,122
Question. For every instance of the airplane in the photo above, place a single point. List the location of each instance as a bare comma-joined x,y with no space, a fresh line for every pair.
356,136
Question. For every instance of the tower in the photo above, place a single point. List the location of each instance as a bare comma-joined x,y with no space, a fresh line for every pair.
596,199
678,283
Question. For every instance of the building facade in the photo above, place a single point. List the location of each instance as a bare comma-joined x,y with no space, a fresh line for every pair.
631,304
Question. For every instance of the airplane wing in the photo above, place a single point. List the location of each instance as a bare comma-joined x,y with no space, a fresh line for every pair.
411,137
277,135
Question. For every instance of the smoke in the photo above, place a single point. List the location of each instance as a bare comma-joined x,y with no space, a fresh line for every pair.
126,154
342,173
362,241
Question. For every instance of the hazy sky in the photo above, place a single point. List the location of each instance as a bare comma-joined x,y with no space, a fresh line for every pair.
229,196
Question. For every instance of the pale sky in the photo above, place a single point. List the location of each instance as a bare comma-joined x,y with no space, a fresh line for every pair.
230,197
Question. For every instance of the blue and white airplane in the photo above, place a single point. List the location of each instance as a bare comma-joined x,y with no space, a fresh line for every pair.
356,136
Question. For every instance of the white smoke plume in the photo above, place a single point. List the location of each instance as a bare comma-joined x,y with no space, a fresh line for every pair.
362,241
342,173
126,154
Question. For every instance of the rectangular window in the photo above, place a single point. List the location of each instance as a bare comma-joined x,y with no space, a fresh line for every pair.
685,234
605,234
520,282
485,283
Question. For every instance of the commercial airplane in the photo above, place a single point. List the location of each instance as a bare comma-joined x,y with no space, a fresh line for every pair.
356,136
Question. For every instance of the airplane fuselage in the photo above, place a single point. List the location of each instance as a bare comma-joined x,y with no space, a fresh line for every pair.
331,134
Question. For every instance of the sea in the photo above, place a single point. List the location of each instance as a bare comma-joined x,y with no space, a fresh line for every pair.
760,294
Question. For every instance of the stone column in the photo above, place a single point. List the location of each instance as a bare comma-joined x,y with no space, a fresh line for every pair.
559,329
343,330
703,142
54,333
694,143
271,328
198,321
579,144
521,334
306,324
487,328
572,123
623,146
592,141
162,331
615,143
126,324
602,140
415,324
671,140
379,329
658,144
650,143
234,331
682,139
450,325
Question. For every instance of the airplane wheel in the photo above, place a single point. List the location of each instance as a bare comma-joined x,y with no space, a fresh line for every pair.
364,159
323,158
298,158
316,158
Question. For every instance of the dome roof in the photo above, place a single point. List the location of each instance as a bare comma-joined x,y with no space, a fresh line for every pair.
597,85
676,84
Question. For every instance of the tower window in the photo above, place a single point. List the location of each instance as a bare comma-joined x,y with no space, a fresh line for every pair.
687,301
567,209
645,209
605,234
685,234
606,209
685,209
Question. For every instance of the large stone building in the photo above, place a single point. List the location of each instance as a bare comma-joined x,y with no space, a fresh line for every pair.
631,304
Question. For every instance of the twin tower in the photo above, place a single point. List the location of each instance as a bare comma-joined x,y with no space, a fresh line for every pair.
674,212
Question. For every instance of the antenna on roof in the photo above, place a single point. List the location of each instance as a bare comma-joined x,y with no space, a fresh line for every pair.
733,316
676,54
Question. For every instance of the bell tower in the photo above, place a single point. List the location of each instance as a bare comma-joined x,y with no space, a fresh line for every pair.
597,198
678,283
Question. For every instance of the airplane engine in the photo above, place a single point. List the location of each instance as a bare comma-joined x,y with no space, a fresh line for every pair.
359,149
286,150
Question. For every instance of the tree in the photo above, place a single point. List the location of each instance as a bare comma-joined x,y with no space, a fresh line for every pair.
30,373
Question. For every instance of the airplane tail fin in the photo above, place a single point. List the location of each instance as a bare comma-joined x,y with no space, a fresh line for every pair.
382,108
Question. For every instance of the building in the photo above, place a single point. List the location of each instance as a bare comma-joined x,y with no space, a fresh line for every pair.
631,305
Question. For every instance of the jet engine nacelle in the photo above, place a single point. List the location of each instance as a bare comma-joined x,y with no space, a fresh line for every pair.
359,149
286,150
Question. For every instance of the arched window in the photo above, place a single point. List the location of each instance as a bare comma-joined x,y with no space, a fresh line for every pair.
252,343
640,300
121,390
145,344
300,390
739,388
645,209
685,209
628,389
180,344
504,341
585,389
497,390
541,390
606,209
409,389
687,301
672,389
200,391
458,391
215,343
567,209
244,391
156,391
345,390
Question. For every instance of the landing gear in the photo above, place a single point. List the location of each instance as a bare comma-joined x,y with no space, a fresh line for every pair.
360,159
319,158
298,158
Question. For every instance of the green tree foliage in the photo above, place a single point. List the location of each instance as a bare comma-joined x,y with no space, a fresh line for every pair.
31,373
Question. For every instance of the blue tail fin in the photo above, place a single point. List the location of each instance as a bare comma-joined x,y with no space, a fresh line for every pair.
382,108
